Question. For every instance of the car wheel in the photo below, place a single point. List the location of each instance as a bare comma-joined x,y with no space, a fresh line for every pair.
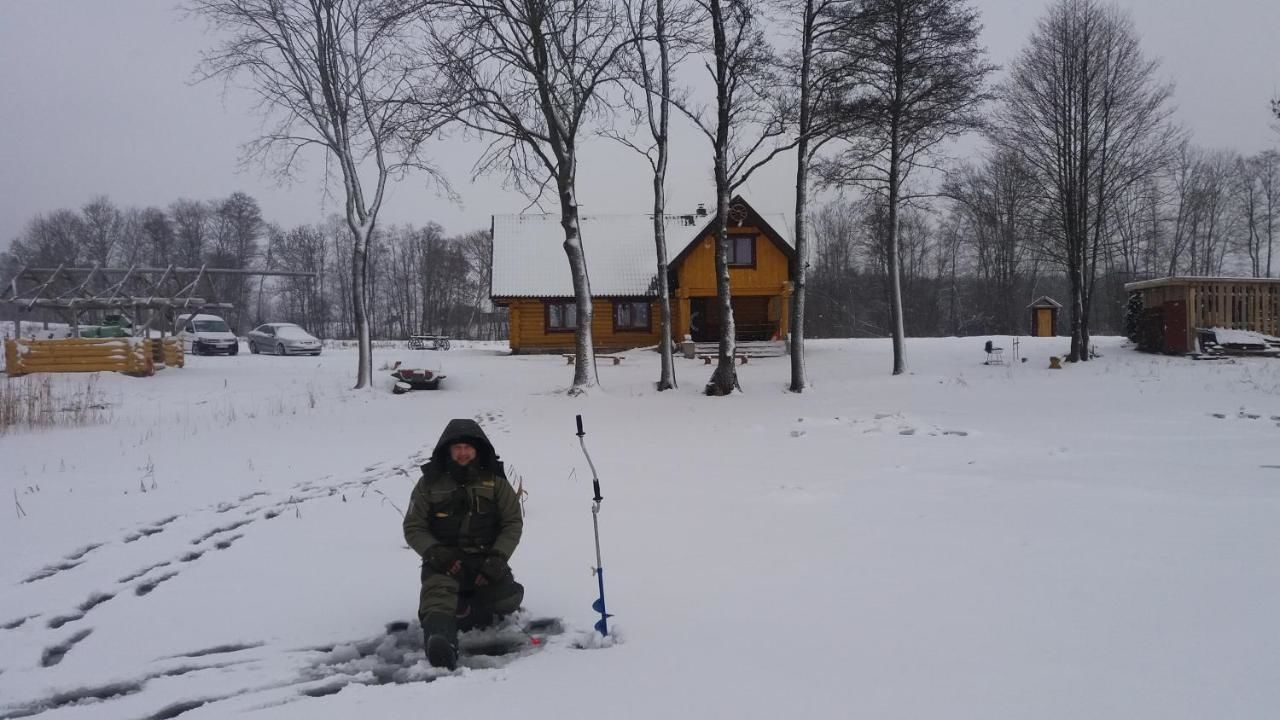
235,348
195,348
280,349
253,349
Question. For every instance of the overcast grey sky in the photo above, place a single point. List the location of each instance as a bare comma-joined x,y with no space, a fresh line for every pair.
95,99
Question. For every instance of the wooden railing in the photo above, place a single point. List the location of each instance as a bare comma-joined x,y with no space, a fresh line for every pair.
1239,306
125,355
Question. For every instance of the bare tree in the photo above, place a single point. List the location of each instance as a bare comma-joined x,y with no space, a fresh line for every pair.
477,248
51,240
747,129
529,76
102,227
1258,193
819,81
655,26
997,202
330,72
1084,109
235,228
920,74
834,311
191,219
158,237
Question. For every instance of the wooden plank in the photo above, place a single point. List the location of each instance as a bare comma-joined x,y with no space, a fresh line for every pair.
104,367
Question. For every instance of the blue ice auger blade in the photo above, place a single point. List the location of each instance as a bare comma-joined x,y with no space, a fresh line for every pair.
601,627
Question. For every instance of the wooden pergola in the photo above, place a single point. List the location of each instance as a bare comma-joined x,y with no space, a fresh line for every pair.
1176,307
72,291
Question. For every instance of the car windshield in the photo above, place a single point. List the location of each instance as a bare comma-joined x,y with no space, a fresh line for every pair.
292,332
211,326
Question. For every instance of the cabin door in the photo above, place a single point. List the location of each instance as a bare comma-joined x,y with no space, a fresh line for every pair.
1175,327
704,319
1044,322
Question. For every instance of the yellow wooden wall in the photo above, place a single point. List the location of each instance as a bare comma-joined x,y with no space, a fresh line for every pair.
528,328
697,272
771,277
126,355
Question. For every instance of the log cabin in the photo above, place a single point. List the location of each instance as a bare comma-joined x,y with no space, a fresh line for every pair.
531,278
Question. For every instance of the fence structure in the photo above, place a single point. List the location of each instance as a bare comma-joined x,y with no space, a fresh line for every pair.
1178,306
132,356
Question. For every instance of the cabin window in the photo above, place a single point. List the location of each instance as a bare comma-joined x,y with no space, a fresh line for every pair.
631,315
562,316
742,250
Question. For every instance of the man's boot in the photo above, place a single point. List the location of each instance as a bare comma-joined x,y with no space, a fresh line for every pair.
440,633
476,618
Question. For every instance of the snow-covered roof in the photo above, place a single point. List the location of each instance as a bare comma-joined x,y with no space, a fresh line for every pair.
1044,301
529,258
1197,280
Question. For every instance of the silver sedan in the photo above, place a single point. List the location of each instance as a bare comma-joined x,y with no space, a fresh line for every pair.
283,339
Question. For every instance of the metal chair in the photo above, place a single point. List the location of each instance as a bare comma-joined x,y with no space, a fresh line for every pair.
995,355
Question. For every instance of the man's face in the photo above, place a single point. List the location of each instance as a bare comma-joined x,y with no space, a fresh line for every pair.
462,453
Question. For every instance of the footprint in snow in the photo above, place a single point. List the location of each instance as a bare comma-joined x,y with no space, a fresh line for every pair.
493,420
94,601
216,650
54,654
145,587
49,571
15,624
221,530
139,573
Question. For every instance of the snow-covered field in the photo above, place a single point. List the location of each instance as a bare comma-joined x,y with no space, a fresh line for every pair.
964,541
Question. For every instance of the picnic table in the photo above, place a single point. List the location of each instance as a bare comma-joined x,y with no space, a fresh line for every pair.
428,342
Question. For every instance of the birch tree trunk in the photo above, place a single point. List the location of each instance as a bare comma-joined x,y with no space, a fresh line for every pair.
725,378
895,272
584,372
359,304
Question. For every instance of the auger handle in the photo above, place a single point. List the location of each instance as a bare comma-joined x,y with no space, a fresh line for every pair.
595,479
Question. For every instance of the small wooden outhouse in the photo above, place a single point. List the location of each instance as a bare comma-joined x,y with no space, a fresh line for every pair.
1044,316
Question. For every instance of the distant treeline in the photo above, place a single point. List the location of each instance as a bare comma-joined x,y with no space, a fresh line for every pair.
422,280
971,260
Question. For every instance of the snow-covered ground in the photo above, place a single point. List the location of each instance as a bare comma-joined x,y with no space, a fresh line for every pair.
965,541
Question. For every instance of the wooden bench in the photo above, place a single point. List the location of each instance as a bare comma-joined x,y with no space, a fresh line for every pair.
740,359
428,342
571,358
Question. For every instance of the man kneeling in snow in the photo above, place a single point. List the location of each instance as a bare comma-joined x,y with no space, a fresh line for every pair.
464,520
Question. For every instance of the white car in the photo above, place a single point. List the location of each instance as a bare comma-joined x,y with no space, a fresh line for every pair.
283,339
206,334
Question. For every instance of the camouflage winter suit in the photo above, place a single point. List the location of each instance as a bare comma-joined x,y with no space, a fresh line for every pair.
473,509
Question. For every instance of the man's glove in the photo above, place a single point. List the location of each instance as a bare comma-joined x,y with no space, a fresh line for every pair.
444,559
495,569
